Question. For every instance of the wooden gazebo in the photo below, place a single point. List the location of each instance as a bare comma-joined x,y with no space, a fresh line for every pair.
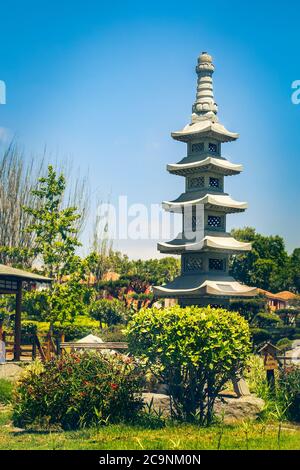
11,282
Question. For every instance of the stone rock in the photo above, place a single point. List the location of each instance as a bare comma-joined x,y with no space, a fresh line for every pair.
158,402
234,409
239,409
10,371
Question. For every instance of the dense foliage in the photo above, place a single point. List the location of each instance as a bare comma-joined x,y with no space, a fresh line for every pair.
78,390
266,325
109,311
268,265
63,302
53,227
289,392
193,350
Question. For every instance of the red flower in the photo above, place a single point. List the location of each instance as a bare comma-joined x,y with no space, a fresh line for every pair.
114,386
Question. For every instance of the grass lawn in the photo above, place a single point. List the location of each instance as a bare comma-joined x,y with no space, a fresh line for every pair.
122,437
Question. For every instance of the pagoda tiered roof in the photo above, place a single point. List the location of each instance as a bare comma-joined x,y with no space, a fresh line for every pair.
188,166
211,201
204,128
204,245
209,242
200,285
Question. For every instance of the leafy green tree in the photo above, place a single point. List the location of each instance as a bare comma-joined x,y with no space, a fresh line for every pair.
16,256
295,269
155,271
267,320
100,263
61,303
266,266
195,351
109,311
248,308
54,227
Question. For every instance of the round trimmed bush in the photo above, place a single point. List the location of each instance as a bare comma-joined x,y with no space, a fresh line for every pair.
195,351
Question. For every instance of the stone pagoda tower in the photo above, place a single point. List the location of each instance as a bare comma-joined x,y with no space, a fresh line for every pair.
204,244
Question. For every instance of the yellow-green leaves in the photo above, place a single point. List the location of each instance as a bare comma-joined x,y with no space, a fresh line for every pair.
191,347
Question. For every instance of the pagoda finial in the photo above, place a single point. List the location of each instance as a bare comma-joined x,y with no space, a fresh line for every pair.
205,107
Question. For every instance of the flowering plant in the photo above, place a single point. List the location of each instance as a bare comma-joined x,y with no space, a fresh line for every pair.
79,390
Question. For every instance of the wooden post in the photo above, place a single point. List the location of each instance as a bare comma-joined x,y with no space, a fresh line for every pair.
271,379
269,352
17,336
33,347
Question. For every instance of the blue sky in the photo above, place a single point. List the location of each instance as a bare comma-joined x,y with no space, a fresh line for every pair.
104,83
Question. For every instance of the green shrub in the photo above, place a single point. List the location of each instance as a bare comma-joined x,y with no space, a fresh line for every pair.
248,308
259,335
289,392
80,327
195,351
113,333
109,311
255,376
284,344
267,320
78,390
288,315
28,330
6,388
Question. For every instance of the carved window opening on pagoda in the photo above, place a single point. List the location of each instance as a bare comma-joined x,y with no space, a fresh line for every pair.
196,182
213,148
197,147
216,264
215,221
192,263
214,182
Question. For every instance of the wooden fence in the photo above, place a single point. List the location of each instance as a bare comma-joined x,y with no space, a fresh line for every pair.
74,346
43,346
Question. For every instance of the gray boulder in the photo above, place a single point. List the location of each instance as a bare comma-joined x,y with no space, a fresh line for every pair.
234,409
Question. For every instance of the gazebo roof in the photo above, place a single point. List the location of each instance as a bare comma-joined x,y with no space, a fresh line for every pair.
9,272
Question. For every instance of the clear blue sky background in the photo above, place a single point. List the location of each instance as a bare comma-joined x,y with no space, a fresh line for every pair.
104,83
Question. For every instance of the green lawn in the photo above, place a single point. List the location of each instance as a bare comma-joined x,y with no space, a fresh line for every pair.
121,437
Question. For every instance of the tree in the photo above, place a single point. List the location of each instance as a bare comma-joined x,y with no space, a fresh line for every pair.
266,266
54,227
61,303
109,311
195,351
155,271
295,269
17,178
102,262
